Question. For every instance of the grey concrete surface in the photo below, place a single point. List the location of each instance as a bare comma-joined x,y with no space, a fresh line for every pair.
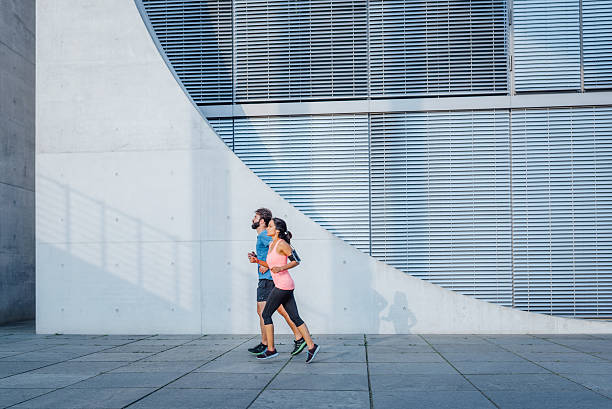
17,87
216,371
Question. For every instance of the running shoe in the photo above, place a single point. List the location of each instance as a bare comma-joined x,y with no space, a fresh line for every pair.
267,354
311,353
298,346
257,349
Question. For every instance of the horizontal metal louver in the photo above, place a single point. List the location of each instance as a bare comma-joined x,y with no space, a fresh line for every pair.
300,49
562,210
597,43
318,163
224,127
546,45
437,47
441,199
197,39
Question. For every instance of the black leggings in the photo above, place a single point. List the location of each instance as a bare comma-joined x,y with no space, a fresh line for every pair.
275,299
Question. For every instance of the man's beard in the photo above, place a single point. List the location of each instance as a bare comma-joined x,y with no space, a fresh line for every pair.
254,226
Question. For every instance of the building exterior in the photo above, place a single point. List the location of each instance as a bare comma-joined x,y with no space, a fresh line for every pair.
17,74
143,213
465,143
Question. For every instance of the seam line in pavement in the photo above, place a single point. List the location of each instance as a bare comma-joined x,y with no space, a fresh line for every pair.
572,348
458,371
543,367
64,387
365,345
60,362
270,381
194,369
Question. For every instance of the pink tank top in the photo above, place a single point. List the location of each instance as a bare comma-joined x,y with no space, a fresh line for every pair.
282,279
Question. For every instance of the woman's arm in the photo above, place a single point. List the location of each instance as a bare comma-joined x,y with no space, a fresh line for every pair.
285,267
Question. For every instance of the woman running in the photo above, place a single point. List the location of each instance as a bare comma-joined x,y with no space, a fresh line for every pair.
282,293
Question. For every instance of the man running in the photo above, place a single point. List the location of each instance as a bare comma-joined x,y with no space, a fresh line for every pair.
260,223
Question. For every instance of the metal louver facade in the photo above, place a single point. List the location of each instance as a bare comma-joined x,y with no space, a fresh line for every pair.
197,38
318,163
300,49
597,40
562,210
437,47
546,45
225,129
501,192
440,199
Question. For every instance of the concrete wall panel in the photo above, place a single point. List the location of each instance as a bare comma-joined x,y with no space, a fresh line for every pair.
17,84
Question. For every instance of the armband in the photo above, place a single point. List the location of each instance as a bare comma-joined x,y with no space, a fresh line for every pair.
294,256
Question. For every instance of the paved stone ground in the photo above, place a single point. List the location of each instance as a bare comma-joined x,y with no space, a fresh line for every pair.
351,371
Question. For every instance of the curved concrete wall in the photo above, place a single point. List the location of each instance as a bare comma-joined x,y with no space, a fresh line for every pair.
143,214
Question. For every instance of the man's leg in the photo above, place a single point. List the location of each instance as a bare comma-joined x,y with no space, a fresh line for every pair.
296,332
260,307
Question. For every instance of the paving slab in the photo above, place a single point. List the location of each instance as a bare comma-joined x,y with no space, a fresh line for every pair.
339,356
561,357
523,382
550,400
40,380
601,383
454,339
420,382
298,399
523,367
534,348
249,365
114,356
329,368
174,355
501,356
515,339
473,348
320,382
8,368
10,397
171,398
602,368
79,368
107,398
428,400
129,380
45,355
144,366
223,380
151,349
375,356
411,368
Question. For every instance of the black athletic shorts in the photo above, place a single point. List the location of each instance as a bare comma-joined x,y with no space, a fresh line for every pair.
263,289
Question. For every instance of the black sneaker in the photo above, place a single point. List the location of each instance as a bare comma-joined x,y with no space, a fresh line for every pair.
298,346
311,353
267,354
258,349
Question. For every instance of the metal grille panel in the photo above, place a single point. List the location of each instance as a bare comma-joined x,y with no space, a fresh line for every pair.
224,127
597,43
546,45
562,210
318,163
437,47
197,38
300,49
441,199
